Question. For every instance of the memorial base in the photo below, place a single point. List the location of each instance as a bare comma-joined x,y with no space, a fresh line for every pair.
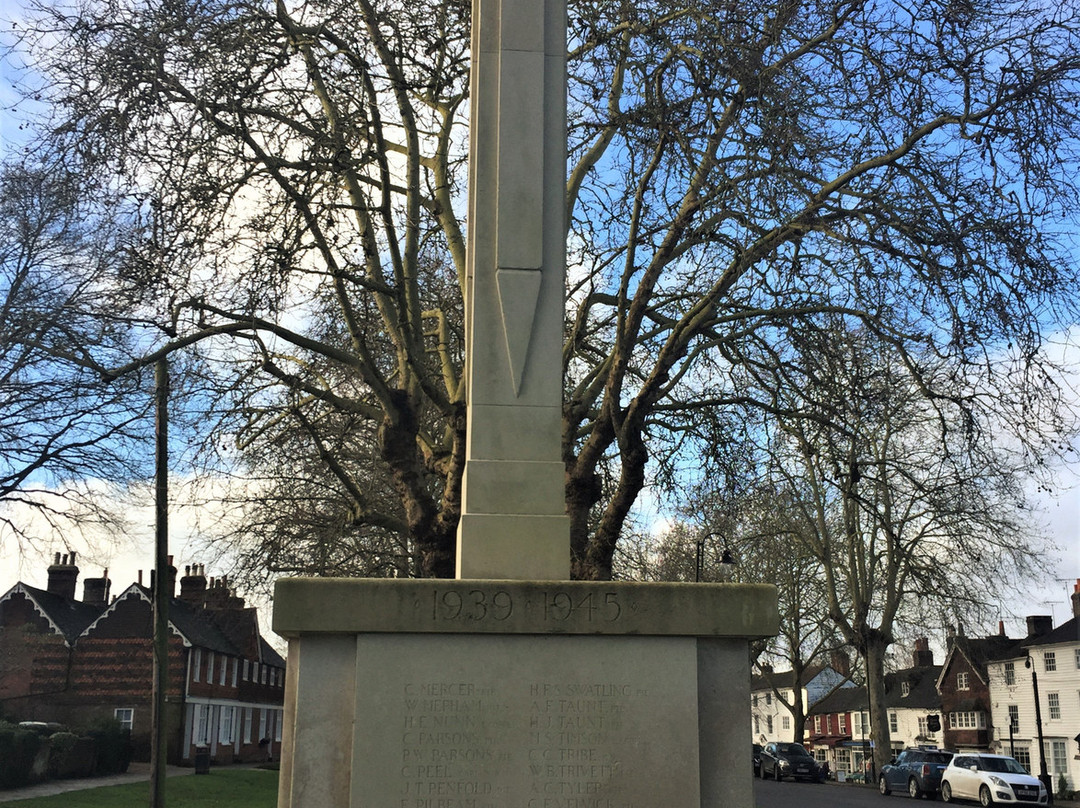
510,694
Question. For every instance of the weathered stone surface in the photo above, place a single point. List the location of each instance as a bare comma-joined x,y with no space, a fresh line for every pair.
352,605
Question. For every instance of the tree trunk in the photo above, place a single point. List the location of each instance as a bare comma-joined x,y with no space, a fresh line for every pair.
874,656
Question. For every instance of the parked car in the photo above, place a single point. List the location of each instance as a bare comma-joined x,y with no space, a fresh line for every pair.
757,759
990,779
780,760
916,770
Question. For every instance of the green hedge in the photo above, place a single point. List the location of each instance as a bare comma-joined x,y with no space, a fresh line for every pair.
18,748
105,749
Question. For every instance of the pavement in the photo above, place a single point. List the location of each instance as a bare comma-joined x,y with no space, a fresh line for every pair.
137,772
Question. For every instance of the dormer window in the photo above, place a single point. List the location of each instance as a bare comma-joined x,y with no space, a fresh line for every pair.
905,689
962,680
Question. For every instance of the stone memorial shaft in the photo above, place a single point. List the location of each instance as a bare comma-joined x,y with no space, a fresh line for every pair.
514,522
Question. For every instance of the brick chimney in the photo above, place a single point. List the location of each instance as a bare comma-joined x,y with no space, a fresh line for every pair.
171,573
96,590
63,575
193,584
923,657
840,661
1039,624
1076,599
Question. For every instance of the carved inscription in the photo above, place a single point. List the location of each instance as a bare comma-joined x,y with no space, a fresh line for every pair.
478,605
456,735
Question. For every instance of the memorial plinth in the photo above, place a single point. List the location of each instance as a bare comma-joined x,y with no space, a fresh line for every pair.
514,694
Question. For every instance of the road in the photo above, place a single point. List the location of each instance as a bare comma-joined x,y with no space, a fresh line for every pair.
769,794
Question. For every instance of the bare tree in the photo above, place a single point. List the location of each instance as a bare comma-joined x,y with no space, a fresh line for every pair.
734,169
64,432
903,502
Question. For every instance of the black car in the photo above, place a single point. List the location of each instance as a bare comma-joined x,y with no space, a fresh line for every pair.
780,760
757,759
918,771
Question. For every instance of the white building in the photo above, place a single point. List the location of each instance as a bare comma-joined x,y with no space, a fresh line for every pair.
1052,662
771,693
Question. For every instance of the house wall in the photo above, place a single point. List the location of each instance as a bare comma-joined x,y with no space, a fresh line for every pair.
975,698
1065,682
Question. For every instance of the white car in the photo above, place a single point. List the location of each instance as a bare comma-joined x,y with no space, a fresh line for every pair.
990,779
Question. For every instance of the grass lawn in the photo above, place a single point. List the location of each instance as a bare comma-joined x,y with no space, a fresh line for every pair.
248,788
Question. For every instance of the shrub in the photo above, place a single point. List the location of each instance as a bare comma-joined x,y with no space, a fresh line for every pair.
18,748
113,747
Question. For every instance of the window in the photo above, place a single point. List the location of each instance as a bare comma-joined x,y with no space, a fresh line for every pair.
1076,653
905,689
210,667
1023,756
1053,701
225,728
1010,673
841,724
1056,758
962,680
1014,718
755,699
196,664
967,720
817,724
265,673
768,698
924,730
235,670
125,716
247,724
277,725
224,667
273,677
894,724
768,724
262,723
255,672
202,725
757,725
785,722
247,670
1049,661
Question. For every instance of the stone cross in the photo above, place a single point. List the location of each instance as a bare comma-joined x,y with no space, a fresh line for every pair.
514,523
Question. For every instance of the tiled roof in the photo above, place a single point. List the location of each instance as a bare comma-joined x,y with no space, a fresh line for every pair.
844,700
922,687
70,617
1066,632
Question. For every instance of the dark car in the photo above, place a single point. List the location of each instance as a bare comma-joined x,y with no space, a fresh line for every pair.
780,760
918,771
757,759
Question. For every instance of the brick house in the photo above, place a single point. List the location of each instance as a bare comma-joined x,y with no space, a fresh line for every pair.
78,662
964,684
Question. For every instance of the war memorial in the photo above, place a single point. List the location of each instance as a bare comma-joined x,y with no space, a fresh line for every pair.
512,686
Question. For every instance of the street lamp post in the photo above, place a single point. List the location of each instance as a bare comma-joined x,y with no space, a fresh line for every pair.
1044,775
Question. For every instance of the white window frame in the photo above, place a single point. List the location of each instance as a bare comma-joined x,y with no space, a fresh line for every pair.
1053,704
224,669
1057,759
894,723
277,725
225,725
247,670
905,689
262,723
201,728
235,670
1049,661
785,722
126,717
1014,718
841,724
1010,673
962,681
247,724
196,665
209,667
817,724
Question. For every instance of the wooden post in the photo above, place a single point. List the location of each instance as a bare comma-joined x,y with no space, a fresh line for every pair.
158,744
